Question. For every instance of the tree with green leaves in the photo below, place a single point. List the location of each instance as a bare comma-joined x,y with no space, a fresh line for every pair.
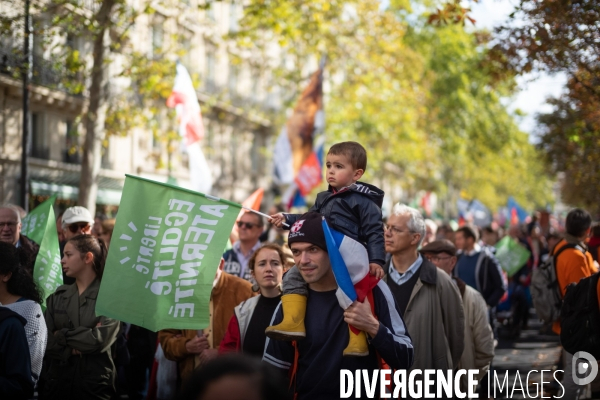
561,37
416,94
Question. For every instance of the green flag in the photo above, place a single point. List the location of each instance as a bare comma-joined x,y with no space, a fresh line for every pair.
40,226
511,255
164,254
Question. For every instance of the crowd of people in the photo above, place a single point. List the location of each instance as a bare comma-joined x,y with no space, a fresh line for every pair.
431,305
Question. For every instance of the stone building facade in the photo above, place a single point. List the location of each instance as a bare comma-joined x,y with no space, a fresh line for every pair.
238,100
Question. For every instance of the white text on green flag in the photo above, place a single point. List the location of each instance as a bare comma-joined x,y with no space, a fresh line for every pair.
164,254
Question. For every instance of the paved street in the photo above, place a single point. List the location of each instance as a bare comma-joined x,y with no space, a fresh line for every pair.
530,351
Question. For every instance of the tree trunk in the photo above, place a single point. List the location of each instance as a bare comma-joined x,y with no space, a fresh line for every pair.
94,118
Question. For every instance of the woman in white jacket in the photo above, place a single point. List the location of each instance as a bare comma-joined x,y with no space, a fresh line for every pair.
246,330
19,292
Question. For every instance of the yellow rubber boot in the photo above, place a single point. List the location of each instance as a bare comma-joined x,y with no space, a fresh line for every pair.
292,326
357,345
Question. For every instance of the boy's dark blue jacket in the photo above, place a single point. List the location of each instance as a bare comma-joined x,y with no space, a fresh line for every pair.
356,212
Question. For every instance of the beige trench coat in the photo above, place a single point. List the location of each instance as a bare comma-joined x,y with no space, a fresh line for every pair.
479,338
435,320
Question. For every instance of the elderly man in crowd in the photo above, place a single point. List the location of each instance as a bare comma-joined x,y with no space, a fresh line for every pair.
10,232
479,339
428,299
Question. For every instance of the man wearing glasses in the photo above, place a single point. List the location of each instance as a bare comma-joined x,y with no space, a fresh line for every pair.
428,300
10,232
250,227
479,339
75,221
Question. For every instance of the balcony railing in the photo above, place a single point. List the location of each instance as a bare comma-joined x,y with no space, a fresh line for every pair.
237,100
43,72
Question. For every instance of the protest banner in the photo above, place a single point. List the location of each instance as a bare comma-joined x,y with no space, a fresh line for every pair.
164,253
511,255
40,226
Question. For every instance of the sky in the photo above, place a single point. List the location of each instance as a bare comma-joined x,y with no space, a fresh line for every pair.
534,89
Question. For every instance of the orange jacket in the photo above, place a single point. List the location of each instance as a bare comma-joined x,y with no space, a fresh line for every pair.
571,266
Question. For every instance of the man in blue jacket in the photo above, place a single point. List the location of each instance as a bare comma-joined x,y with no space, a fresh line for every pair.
320,353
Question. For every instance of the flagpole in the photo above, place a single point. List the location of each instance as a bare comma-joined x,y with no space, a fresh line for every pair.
261,214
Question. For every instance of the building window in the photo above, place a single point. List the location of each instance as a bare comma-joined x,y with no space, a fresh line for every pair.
233,80
256,92
186,52
72,153
233,17
209,74
39,140
157,37
210,12
39,39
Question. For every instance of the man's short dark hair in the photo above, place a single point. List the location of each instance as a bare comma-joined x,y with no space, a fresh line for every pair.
578,222
354,151
468,232
259,220
270,384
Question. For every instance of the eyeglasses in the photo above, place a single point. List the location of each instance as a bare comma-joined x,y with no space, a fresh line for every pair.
78,226
394,229
10,225
436,258
249,225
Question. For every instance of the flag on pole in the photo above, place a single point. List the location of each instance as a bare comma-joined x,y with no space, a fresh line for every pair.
350,265
185,101
40,226
298,155
511,255
517,213
164,255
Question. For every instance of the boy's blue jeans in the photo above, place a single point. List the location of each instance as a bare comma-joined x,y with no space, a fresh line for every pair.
293,283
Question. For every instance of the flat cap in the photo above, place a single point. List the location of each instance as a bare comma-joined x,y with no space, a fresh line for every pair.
440,246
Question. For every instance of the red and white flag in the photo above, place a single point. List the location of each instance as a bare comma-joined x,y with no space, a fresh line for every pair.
185,101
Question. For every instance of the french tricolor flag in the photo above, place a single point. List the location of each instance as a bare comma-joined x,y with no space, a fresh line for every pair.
350,265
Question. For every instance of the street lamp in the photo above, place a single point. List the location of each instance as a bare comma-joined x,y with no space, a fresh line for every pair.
26,75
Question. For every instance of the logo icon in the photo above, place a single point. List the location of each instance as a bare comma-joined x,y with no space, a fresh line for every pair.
584,368
297,225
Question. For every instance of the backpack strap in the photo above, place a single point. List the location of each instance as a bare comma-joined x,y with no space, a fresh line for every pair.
565,247
555,256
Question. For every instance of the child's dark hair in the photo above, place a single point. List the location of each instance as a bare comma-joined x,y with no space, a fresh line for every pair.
354,151
90,244
21,283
